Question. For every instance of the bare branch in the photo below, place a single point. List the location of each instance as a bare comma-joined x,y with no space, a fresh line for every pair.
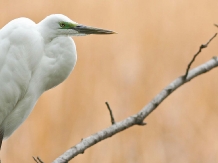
200,48
138,118
111,113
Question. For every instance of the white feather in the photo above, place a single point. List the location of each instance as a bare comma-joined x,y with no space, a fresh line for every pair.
33,59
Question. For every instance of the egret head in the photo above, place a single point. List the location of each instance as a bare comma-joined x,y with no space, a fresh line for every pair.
58,24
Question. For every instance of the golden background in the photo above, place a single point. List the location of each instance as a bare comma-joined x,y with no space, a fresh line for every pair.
156,41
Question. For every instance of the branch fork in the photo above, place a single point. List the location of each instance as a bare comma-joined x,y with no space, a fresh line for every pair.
138,118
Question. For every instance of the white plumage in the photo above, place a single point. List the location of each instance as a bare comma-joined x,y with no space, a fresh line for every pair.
33,59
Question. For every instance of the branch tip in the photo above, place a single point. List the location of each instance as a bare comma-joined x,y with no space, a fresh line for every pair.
138,118
199,51
37,160
111,114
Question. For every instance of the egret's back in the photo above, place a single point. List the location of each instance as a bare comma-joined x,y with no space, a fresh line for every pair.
20,52
30,64
33,59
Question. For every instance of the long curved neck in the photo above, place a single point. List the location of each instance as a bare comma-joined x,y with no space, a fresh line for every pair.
57,62
47,33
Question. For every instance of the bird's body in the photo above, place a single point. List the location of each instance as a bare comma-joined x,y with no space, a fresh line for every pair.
34,58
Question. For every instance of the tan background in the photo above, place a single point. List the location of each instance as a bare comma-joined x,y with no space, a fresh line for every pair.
156,41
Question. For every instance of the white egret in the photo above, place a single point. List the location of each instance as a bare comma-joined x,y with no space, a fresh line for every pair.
34,58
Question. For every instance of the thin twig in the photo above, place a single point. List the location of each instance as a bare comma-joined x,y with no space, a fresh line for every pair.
111,113
137,118
35,159
38,160
193,59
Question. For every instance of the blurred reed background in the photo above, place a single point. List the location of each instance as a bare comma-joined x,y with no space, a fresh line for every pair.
156,41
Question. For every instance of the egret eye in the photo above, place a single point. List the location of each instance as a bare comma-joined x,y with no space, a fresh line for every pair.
62,25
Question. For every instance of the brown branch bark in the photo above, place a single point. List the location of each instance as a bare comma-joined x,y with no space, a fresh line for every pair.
138,118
